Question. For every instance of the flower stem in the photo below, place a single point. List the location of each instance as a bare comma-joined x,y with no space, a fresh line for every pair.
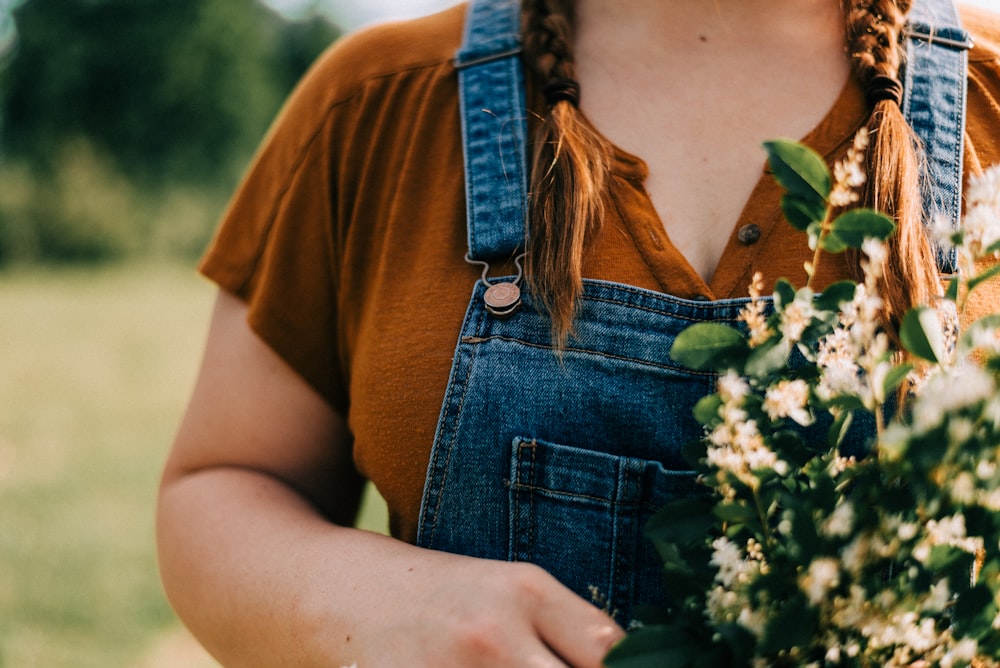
824,229
762,515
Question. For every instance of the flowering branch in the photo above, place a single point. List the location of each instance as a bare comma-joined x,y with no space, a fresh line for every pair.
844,527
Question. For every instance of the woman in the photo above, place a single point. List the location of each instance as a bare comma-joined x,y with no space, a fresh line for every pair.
554,427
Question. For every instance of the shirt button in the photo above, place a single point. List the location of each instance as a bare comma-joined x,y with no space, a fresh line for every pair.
748,234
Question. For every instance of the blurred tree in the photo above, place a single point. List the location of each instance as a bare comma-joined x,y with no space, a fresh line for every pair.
175,95
177,88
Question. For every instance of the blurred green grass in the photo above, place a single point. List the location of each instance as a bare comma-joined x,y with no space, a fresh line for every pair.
95,368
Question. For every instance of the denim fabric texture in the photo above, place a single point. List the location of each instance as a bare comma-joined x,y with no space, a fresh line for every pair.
934,85
494,126
559,459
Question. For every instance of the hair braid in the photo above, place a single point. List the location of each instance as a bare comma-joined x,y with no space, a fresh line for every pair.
569,174
873,35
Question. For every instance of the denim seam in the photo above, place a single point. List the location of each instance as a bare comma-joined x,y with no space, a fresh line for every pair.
559,494
449,421
584,351
650,309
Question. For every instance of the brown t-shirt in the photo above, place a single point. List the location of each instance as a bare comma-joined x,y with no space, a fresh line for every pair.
347,237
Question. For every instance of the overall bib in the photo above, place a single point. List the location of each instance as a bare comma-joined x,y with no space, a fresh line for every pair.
560,460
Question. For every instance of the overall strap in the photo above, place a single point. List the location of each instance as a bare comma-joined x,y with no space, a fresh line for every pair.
935,82
494,128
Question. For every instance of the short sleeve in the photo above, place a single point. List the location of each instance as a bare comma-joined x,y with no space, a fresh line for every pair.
274,248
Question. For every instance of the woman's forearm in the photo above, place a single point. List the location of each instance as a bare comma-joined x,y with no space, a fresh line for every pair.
263,580
256,572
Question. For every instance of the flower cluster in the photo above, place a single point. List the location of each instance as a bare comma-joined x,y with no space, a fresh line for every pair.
855,514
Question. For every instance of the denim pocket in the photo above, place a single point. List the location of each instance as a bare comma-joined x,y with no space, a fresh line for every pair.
580,513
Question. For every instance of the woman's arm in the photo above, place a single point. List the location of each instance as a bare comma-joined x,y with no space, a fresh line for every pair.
257,560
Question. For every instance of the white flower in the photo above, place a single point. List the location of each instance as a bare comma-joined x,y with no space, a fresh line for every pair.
963,488
729,559
753,313
908,531
939,597
732,387
849,173
822,576
876,252
733,415
795,317
986,339
840,522
948,392
722,605
960,653
942,232
788,399
991,500
840,376
981,224
951,531
876,380
754,621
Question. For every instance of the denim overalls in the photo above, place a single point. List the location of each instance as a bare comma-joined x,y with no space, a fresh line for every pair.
560,460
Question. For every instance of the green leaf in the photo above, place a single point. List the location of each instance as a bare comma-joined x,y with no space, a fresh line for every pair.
708,346
735,511
975,611
801,212
654,647
799,169
846,402
950,561
793,625
983,276
784,293
852,227
683,521
833,244
706,411
838,429
768,358
951,294
790,446
836,294
895,377
921,334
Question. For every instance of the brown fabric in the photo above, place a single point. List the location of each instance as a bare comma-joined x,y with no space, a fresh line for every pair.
348,235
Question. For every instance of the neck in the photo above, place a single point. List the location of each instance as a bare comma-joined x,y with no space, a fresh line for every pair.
776,25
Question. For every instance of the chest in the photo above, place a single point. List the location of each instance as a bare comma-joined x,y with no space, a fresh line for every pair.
699,128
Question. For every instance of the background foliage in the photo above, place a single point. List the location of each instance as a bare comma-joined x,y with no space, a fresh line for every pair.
124,127
126,123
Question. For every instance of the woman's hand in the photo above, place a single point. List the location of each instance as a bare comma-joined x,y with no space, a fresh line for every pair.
463,612
256,560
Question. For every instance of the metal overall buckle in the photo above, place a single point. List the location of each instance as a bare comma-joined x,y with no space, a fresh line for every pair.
502,299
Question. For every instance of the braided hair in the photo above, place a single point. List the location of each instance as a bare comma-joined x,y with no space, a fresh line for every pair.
569,174
873,36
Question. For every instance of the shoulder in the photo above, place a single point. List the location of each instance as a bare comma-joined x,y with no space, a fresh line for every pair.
343,98
984,26
983,102
383,53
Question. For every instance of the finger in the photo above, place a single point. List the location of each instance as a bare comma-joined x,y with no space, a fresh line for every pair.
577,631
540,656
